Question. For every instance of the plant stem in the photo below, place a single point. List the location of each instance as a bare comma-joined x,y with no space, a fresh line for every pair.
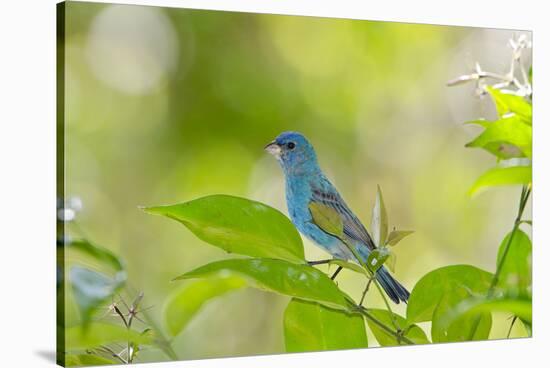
360,260
365,291
525,192
511,325
395,334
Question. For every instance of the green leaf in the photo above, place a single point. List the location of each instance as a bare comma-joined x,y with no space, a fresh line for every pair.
91,289
497,176
379,221
350,266
391,261
185,303
310,326
300,281
520,307
102,255
397,235
377,258
238,225
413,332
78,360
441,290
515,275
96,334
327,218
507,103
506,138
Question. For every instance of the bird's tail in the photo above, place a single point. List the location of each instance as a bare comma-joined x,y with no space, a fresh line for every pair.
391,286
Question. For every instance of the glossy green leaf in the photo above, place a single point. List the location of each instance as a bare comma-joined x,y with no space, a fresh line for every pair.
391,261
515,275
379,221
185,303
397,235
102,255
349,265
412,331
96,334
327,218
498,176
310,326
508,103
520,307
92,289
439,291
377,258
238,225
300,281
506,138
78,360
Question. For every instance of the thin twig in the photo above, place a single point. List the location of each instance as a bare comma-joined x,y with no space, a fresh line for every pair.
397,334
365,291
362,263
511,325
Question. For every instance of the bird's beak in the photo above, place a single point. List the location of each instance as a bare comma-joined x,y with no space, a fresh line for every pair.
273,148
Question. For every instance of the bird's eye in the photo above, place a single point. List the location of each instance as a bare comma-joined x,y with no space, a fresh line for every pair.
291,145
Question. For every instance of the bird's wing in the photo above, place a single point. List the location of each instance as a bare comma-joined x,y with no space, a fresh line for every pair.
353,228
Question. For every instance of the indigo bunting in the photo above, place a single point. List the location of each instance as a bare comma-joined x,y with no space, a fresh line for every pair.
305,183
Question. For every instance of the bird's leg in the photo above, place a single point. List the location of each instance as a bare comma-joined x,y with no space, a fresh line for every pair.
336,272
313,263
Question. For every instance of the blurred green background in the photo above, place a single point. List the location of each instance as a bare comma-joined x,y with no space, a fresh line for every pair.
167,105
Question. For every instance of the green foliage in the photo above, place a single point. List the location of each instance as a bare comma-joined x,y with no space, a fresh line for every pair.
183,304
379,221
97,334
515,275
91,289
412,331
502,176
348,265
506,138
509,137
310,326
507,103
397,235
238,225
377,258
318,305
299,281
78,360
520,307
435,294
100,254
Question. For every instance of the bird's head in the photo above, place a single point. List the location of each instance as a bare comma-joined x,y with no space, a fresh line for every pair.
294,152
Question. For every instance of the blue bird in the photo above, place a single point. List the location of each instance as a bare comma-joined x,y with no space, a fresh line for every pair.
305,183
